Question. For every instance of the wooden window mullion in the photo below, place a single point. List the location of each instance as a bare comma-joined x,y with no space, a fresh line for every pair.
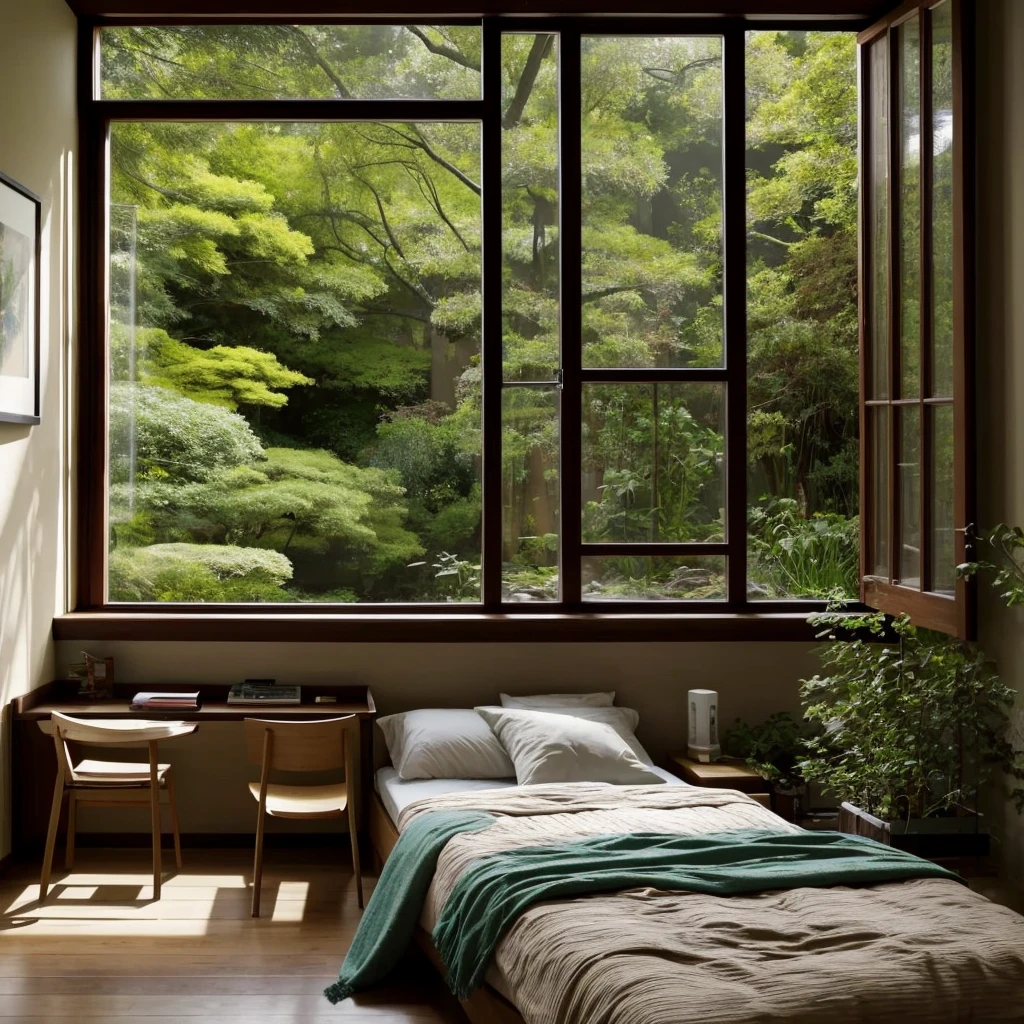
894,249
926,484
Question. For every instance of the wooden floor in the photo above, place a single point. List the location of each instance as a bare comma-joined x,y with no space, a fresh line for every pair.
102,949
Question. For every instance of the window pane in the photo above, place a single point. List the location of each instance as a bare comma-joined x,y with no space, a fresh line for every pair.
942,200
530,494
910,206
943,550
908,471
803,344
878,426
878,212
290,62
653,462
529,183
652,201
693,578
294,394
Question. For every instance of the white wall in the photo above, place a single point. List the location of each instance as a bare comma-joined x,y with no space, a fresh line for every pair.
37,141
1000,28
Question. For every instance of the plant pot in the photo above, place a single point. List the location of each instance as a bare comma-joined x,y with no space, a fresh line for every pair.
931,838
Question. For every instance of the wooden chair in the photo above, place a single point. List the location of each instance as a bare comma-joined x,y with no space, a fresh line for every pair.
324,745
99,783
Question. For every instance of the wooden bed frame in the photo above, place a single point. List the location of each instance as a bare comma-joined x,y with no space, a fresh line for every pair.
485,1005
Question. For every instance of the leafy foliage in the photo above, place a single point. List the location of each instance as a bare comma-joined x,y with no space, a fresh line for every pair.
914,722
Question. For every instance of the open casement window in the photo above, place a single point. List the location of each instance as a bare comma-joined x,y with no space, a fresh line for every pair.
916,318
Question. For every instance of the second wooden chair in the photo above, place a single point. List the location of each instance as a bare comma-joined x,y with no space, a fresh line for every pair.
324,745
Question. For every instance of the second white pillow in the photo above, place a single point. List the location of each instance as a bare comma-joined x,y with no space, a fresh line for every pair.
551,747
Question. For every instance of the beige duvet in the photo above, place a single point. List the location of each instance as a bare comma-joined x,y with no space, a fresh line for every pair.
923,950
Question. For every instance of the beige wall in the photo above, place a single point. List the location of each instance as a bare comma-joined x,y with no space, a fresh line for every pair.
37,139
753,680
1001,339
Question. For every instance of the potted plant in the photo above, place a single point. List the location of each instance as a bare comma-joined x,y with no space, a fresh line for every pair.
774,749
913,724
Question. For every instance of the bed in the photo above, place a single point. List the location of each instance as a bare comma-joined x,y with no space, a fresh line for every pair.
925,949
922,950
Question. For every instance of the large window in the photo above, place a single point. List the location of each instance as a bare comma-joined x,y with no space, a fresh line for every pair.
554,314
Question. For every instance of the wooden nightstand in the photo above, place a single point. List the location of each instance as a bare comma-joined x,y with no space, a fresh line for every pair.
720,775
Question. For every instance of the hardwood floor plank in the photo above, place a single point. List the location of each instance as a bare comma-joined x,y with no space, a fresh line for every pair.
101,949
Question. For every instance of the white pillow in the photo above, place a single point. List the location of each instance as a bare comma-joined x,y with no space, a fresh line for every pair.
547,747
623,720
444,743
543,701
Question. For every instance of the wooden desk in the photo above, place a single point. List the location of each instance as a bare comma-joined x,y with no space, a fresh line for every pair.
34,767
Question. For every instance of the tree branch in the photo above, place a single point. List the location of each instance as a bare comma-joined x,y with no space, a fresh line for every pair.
307,44
541,48
442,49
419,142
760,235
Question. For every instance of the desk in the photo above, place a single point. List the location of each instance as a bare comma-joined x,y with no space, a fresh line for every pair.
33,766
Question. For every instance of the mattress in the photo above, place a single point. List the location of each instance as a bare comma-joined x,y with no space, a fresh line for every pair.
396,794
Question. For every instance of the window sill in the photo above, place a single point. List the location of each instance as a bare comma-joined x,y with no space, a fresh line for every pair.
482,627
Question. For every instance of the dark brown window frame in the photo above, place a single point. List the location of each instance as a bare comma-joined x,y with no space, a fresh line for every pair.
955,614
569,619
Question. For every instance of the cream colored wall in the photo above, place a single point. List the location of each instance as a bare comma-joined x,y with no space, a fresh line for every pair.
753,680
1000,28
37,140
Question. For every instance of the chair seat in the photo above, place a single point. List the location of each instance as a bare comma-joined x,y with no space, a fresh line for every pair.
304,801
116,773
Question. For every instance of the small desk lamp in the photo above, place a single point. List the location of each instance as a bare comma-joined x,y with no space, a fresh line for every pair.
703,743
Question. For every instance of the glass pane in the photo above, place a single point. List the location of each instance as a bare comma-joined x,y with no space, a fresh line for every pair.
908,475
652,201
692,578
290,62
295,340
529,472
942,200
878,426
910,207
878,212
943,549
802,337
653,462
529,184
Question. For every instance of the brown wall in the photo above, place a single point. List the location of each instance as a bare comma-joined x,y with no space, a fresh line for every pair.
37,142
1001,343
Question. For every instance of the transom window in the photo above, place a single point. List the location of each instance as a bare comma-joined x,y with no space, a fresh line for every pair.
520,314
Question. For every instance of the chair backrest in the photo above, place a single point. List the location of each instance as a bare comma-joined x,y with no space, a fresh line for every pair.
299,746
109,732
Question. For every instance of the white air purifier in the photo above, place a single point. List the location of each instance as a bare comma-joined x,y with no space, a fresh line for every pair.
703,744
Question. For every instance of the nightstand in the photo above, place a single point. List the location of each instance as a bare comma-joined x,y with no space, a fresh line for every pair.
718,775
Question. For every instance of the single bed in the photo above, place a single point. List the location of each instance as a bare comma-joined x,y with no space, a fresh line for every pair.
922,950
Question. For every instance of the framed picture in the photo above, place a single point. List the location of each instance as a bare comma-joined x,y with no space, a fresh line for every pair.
19,303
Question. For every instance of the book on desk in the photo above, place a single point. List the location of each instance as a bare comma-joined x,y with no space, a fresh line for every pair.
165,700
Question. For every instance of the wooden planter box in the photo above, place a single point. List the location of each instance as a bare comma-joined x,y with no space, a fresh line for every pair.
932,838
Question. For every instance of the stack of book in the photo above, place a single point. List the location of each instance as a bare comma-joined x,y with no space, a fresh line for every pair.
264,691
166,701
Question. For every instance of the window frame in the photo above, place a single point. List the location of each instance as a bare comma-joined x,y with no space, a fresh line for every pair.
955,614
570,618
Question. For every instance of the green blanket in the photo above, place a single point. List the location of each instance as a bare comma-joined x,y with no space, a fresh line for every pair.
489,897
389,920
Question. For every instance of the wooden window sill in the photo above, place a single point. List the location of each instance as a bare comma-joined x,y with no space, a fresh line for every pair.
435,627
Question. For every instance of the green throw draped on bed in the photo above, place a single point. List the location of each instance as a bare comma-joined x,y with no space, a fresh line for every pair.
496,889
389,920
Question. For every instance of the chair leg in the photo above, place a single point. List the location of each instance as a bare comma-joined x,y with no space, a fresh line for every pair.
172,800
154,804
69,849
257,869
51,836
353,835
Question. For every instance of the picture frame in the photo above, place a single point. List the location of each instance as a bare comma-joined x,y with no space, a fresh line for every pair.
20,279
